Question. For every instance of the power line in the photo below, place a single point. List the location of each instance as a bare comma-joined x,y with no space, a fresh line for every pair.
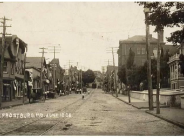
134,21
32,31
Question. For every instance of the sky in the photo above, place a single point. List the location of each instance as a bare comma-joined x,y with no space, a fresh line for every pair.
83,32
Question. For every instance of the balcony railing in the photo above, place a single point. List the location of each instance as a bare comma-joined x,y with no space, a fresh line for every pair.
174,57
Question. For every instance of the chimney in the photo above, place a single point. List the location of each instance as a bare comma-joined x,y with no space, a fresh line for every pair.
162,36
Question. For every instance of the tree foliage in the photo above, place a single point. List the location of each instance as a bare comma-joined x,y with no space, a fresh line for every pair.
136,75
122,74
167,14
130,60
88,76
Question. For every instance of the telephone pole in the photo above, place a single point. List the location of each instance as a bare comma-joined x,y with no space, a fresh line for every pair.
150,91
115,83
41,75
108,77
158,74
69,69
55,48
24,75
2,49
108,62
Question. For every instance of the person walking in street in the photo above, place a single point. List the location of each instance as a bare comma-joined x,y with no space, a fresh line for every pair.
83,96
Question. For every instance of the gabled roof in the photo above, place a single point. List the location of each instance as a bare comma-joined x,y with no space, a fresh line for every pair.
10,39
138,39
55,61
111,68
12,46
34,62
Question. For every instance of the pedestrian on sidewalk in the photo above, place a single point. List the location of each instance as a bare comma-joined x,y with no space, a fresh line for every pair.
141,86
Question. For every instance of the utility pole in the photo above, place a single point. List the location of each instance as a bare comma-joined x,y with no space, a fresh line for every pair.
2,49
158,74
81,79
24,75
70,77
108,79
150,91
108,62
41,75
54,66
115,84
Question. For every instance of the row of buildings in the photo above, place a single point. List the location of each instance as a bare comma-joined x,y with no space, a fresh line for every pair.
23,75
26,73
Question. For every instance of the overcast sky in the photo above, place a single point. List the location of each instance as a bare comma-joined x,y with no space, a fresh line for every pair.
84,30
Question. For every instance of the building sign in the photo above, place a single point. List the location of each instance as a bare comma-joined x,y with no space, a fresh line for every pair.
66,72
30,83
17,41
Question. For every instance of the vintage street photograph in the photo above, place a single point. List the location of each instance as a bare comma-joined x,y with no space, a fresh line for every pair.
99,68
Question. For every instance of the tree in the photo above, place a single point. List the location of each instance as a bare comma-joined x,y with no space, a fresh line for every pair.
164,69
122,74
162,15
130,60
88,76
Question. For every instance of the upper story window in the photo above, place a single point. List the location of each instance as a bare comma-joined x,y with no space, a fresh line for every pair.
143,50
12,68
155,52
143,62
5,69
138,51
22,68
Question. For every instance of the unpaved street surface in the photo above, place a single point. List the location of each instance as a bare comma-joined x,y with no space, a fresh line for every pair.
97,114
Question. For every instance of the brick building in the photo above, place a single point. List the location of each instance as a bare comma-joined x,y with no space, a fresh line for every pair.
138,45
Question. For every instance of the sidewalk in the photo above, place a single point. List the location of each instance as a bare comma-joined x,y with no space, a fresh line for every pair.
140,104
13,103
172,115
16,102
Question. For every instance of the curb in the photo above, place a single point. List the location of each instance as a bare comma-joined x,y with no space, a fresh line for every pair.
158,116
7,107
126,102
136,106
166,119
